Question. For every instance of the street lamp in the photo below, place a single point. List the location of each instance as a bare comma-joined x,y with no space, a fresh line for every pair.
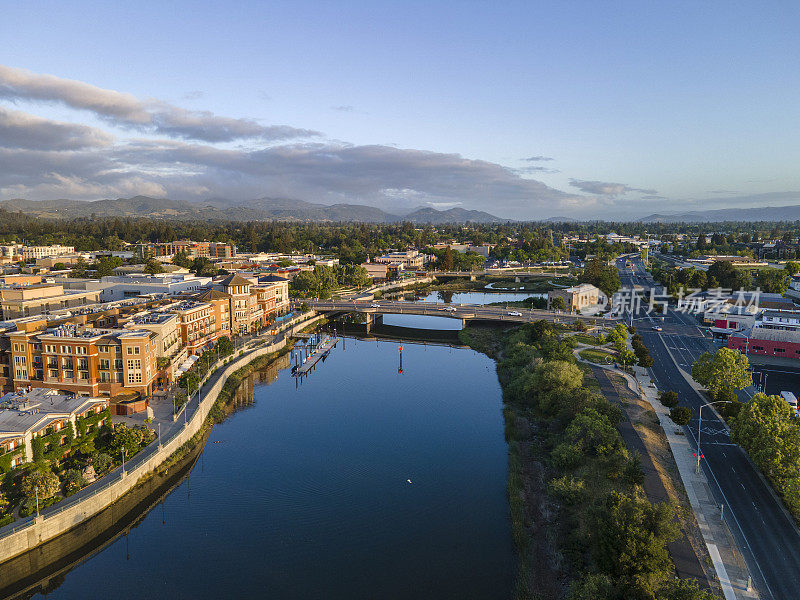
37,501
123,462
700,424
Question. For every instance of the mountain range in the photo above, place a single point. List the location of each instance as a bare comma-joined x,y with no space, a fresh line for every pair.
261,209
767,213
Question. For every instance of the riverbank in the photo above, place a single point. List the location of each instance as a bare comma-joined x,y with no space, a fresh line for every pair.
179,440
582,522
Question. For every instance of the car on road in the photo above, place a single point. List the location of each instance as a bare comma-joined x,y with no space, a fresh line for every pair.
450,308
374,305
514,313
658,328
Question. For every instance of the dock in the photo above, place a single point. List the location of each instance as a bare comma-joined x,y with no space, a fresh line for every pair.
321,351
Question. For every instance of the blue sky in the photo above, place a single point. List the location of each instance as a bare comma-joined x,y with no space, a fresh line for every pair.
642,106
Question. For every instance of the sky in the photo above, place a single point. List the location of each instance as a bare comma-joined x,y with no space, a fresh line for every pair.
527,110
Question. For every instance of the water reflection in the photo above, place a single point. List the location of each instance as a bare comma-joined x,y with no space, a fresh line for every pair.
306,493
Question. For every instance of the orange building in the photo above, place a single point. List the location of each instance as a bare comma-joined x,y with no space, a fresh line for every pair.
84,361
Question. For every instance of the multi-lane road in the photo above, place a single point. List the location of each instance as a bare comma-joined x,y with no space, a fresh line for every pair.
764,530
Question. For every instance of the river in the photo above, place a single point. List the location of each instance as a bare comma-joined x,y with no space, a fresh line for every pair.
304,492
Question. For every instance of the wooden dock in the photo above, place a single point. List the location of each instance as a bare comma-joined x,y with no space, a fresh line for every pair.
322,350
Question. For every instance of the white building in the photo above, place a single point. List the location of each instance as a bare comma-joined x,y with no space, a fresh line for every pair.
30,253
41,411
121,287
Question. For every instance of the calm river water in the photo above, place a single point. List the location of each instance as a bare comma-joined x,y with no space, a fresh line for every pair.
304,492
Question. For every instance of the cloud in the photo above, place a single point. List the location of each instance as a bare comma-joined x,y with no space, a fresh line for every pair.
537,158
604,188
193,95
186,154
127,111
21,130
344,108
534,169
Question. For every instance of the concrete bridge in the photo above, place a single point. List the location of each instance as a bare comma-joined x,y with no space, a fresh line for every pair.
466,312
504,273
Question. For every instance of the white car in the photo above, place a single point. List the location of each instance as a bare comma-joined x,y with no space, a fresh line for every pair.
514,313
373,305
658,328
450,308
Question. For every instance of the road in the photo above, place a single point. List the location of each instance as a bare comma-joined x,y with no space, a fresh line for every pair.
454,311
765,532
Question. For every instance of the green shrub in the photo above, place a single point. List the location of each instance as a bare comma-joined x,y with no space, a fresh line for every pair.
681,415
102,463
567,456
73,482
669,398
568,489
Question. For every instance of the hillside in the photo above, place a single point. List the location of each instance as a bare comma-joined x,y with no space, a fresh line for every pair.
261,209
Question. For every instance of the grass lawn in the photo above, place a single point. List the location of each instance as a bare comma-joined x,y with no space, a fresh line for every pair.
596,356
586,339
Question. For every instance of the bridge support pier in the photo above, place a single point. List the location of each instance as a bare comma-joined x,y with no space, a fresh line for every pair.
517,279
373,319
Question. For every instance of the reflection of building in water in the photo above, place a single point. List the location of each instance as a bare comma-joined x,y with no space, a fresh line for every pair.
243,396
270,373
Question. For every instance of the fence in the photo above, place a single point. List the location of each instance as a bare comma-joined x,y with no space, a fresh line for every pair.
20,537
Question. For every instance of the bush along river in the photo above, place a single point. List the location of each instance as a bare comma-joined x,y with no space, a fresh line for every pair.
358,481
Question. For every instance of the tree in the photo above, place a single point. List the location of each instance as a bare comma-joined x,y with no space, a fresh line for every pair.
45,480
73,481
669,398
629,542
627,357
792,267
601,275
680,415
768,430
725,369
684,589
152,267
225,346
105,266
447,261
181,259
773,281
558,303
59,266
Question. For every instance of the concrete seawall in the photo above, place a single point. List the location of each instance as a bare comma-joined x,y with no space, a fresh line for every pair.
17,538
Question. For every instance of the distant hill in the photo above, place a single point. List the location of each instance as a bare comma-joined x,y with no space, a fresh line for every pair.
261,209
768,213
452,215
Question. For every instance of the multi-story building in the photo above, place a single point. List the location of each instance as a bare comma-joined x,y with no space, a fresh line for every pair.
83,360
197,323
38,299
246,314
280,286
31,253
221,305
191,249
38,412
410,259
169,346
